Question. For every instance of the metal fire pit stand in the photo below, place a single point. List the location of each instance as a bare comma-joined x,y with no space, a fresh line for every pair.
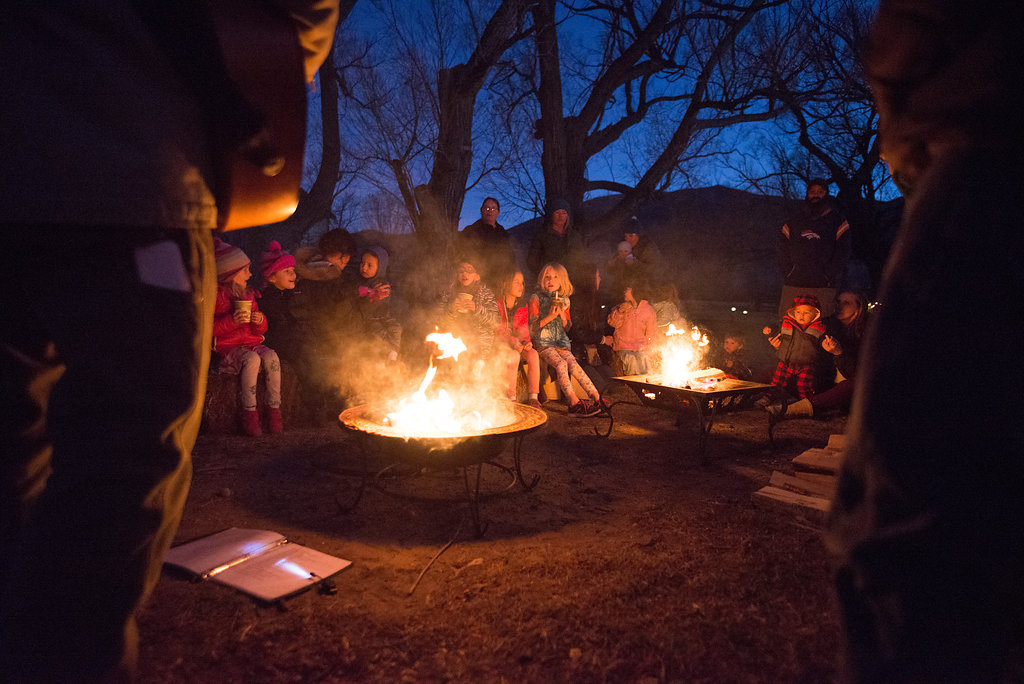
415,457
705,401
471,474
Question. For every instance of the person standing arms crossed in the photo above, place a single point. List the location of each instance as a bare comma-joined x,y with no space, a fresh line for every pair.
107,292
814,247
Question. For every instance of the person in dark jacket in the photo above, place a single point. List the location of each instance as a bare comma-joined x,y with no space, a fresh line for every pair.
799,347
843,333
290,331
374,303
814,247
108,288
645,252
925,526
486,244
558,241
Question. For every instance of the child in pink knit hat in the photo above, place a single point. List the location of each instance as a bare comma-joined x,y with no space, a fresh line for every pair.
238,333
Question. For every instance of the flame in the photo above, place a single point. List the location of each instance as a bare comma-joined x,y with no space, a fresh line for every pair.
449,346
682,354
468,408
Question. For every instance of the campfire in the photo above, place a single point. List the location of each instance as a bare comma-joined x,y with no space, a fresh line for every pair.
456,419
682,355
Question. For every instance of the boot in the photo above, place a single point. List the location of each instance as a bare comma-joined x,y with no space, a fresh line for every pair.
274,423
251,423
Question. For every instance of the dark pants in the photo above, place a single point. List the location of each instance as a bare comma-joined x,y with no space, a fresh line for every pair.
102,379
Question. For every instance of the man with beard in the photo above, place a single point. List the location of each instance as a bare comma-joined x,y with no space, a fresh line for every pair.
814,247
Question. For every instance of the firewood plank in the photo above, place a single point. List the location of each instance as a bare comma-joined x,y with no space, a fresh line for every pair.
836,442
822,488
818,461
810,508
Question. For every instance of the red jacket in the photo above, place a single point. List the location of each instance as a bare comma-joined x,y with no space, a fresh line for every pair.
227,333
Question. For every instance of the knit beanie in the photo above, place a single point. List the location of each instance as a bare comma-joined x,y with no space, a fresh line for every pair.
556,204
230,259
275,259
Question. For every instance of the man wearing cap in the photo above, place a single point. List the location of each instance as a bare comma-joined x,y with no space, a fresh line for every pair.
557,241
814,247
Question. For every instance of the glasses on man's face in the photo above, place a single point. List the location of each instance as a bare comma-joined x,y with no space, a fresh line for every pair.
465,269
489,208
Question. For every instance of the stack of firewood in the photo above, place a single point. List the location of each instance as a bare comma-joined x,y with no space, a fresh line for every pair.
807,493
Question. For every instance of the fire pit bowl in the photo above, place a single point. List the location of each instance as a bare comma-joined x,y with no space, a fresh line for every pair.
465,451
441,451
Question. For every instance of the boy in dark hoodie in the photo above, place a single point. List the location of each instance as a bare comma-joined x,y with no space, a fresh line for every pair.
798,345
374,301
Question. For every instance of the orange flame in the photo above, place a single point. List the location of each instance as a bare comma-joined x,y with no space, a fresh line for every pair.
441,415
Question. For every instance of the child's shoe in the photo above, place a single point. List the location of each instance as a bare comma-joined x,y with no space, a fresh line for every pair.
583,409
274,423
601,406
251,423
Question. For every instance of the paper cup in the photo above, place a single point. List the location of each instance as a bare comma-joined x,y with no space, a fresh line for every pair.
246,306
465,296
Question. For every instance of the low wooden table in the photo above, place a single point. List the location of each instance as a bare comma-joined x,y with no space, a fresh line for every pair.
651,392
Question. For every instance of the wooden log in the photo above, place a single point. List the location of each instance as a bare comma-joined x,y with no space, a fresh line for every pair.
823,481
823,488
836,442
810,508
818,461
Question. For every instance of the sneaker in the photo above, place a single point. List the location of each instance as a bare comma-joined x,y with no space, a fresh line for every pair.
583,409
251,423
274,422
601,406
535,403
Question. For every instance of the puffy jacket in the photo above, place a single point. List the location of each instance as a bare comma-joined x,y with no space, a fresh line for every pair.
227,333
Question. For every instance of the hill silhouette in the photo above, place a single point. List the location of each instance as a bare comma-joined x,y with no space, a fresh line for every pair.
717,243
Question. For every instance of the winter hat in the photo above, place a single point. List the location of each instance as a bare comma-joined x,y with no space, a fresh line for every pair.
624,246
807,300
382,260
556,204
633,225
230,259
275,259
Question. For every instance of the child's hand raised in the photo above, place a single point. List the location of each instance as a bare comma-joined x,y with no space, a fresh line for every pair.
775,341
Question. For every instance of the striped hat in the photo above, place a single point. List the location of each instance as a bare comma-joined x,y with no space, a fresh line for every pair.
230,259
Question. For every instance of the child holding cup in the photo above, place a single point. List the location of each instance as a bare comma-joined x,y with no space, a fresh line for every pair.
549,321
238,330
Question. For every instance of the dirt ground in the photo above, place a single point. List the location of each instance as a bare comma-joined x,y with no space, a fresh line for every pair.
628,561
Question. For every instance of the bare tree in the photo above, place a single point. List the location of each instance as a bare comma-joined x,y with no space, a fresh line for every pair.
830,127
420,109
680,56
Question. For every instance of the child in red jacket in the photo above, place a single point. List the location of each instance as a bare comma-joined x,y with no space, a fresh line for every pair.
238,329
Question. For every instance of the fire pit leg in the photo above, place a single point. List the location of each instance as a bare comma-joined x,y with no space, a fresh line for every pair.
473,499
705,426
517,444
